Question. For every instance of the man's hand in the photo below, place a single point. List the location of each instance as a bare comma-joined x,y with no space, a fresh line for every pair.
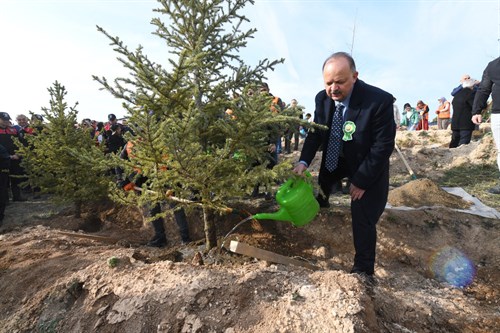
356,192
299,169
477,119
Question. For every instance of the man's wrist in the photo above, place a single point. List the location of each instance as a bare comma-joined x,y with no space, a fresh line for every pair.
304,163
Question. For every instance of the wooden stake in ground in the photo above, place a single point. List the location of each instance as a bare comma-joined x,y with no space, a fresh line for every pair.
245,249
412,174
109,240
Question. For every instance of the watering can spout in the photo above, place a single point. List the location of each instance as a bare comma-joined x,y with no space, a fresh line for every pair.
280,215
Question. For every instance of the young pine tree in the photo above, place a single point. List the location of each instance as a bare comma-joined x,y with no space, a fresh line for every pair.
53,157
185,142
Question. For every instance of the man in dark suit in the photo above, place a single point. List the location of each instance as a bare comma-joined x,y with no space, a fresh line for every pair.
357,145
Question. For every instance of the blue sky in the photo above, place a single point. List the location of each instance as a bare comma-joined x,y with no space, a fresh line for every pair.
416,50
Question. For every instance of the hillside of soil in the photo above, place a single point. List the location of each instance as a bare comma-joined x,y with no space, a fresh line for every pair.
437,267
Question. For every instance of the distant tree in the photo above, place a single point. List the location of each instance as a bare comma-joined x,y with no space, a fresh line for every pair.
185,142
53,158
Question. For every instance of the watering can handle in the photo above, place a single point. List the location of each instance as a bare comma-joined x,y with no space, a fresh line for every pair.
305,175
297,178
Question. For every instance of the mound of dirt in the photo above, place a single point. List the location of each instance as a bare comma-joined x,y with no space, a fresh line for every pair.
424,192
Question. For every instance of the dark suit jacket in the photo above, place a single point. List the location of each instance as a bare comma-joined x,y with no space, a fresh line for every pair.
367,155
462,110
490,84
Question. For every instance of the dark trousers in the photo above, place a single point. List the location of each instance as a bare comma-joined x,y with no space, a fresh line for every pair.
443,123
16,177
180,219
288,142
365,214
296,135
4,192
460,137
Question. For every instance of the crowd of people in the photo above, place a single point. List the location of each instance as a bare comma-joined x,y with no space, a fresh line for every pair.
463,114
417,118
11,172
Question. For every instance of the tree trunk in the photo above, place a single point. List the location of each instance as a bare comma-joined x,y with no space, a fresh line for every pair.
78,209
210,229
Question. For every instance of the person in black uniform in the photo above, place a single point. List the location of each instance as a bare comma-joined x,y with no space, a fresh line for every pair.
7,133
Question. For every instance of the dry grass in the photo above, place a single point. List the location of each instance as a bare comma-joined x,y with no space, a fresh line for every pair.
476,180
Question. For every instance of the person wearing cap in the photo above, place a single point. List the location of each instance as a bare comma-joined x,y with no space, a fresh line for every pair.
7,133
107,127
112,121
115,141
444,114
112,118
37,123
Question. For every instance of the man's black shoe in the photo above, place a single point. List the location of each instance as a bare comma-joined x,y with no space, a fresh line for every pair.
157,242
19,199
369,279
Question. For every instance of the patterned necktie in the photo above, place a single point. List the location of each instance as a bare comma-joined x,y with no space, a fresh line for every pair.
333,151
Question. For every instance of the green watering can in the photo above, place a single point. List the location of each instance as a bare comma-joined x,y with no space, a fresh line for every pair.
297,203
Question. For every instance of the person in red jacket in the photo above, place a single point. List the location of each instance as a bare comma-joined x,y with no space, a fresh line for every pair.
423,110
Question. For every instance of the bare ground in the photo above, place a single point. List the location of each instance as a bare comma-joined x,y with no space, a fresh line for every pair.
57,273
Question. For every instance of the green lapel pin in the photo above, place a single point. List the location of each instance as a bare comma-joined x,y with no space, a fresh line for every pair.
349,128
